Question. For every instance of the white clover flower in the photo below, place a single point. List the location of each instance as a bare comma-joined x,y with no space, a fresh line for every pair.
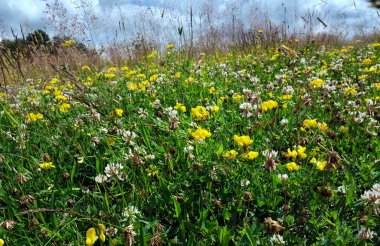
282,177
101,178
244,182
365,233
284,122
277,239
150,157
130,214
114,170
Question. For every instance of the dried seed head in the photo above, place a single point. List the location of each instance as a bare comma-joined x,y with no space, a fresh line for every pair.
8,224
270,164
95,140
217,203
34,222
15,191
247,196
21,178
196,166
332,159
272,226
46,157
28,199
71,202
66,176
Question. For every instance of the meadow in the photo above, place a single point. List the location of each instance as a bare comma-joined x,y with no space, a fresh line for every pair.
274,146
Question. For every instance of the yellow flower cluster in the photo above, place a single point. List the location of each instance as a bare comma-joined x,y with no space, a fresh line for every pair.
243,140
32,117
68,43
323,127
367,61
200,113
350,91
92,237
47,165
317,83
294,153
64,108
310,123
320,165
231,154
268,105
250,155
292,166
119,112
285,97
201,133
180,107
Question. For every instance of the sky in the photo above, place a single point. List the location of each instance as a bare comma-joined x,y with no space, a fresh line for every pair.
106,21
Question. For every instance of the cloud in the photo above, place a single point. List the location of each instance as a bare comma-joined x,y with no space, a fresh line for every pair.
161,18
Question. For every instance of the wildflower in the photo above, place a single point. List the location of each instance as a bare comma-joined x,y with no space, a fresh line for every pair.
317,83
169,47
236,97
85,68
367,61
111,231
102,229
200,113
260,31
64,108
231,154
119,112
292,154
350,91
130,214
292,166
101,178
250,155
272,226
1,242
47,165
60,98
180,106
109,75
365,233
323,127
130,233
321,165
153,54
268,105
91,236
115,170
277,239
270,155
68,43
247,108
310,123
282,177
301,151
245,182
284,122
201,133
32,117
243,140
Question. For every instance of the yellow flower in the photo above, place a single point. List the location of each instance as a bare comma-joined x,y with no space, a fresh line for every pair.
215,108
292,154
323,126
109,75
85,68
310,123
102,229
180,107
132,86
317,83
91,237
268,105
169,47
243,140
112,70
231,154
47,165
285,97
250,155
313,160
200,113
301,151
1,242
321,165
64,108
367,61
201,133
351,91
292,166
60,98
32,117
212,90
119,112
177,75
153,54
68,43
236,97
260,31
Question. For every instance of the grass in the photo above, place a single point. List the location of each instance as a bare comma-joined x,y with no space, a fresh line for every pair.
275,146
